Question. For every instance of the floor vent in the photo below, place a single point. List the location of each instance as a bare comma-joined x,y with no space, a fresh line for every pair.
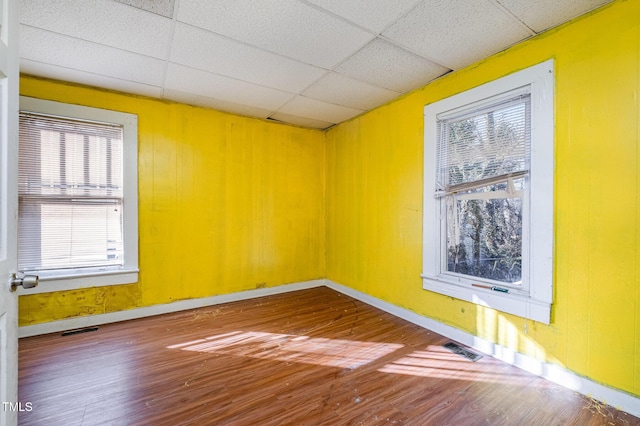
457,349
79,330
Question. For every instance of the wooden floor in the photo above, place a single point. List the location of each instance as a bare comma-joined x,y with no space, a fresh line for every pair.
311,357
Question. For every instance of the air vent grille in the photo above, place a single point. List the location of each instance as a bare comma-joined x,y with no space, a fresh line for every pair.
457,349
78,331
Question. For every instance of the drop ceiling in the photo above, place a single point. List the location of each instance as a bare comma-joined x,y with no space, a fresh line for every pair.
311,63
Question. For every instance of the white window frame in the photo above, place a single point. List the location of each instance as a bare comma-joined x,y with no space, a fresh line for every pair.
88,277
538,233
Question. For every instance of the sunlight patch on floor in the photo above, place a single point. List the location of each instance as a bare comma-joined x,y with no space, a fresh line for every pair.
437,362
292,348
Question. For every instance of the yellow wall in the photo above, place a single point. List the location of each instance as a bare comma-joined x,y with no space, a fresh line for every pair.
226,204
374,201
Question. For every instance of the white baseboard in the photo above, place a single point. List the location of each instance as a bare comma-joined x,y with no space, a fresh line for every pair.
147,311
552,372
616,398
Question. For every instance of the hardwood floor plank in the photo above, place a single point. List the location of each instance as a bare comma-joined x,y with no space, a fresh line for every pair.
311,357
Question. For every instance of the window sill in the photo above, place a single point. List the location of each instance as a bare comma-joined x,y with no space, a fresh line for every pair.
521,306
49,283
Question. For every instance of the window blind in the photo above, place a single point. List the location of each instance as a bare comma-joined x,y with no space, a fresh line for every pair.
70,189
483,146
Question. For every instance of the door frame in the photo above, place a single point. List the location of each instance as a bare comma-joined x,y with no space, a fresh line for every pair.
9,82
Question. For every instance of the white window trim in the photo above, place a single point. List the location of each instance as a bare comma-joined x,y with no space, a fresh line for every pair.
535,305
69,280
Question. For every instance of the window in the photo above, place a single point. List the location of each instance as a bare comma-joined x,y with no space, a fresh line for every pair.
488,202
77,190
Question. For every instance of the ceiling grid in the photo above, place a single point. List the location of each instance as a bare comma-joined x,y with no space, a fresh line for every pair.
311,63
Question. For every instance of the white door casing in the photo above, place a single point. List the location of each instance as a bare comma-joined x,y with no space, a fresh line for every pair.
9,81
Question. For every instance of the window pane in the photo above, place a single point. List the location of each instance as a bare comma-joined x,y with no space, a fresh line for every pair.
69,158
484,225
485,144
484,238
70,194
58,235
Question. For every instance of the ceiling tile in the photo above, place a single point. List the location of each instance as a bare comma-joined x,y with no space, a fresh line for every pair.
220,105
102,21
287,27
75,54
160,7
301,121
89,79
375,15
197,48
311,108
457,33
386,65
543,14
197,82
338,89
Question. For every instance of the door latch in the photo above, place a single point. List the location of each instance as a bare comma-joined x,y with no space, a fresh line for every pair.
26,281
